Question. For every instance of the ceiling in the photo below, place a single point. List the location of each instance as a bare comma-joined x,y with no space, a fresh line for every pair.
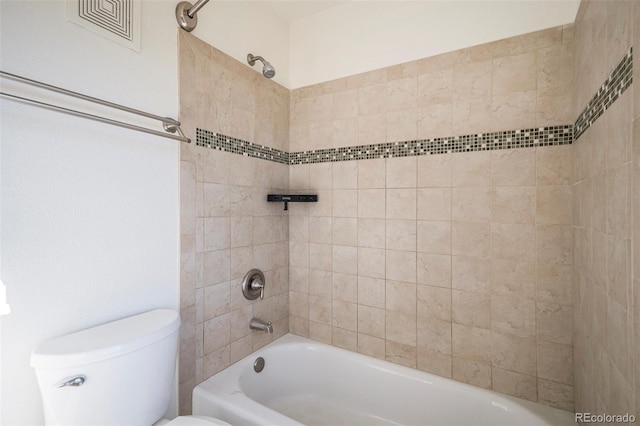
293,10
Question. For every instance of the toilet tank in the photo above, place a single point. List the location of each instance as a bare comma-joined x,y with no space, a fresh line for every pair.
119,373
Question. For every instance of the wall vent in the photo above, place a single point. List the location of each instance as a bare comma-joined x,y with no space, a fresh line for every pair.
117,20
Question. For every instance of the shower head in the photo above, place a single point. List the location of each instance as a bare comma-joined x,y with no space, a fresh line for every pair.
267,70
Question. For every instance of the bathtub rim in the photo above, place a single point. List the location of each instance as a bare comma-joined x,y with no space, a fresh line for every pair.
551,415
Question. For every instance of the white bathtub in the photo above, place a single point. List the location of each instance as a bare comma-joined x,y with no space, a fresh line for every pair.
305,382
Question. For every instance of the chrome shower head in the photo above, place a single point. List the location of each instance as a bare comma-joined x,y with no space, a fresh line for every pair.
267,70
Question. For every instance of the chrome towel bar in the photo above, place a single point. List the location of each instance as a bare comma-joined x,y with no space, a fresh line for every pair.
168,124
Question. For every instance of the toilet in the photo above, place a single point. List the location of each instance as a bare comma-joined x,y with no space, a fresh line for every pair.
119,373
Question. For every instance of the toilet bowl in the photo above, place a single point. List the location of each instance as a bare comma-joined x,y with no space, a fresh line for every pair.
117,373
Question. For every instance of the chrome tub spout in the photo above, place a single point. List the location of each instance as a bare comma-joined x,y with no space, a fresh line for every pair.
258,324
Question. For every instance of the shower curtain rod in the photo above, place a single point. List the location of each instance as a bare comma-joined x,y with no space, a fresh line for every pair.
187,14
168,124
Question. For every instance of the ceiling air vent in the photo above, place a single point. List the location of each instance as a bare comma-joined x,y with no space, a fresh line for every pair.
117,20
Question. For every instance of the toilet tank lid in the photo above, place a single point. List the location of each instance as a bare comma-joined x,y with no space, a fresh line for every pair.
106,341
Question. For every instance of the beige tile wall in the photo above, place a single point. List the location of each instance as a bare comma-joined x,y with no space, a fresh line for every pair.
517,83
227,227
605,220
635,209
456,264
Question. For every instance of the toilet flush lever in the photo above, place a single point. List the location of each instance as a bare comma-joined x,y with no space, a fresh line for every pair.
75,381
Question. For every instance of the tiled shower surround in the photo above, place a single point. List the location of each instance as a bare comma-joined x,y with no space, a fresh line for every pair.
606,213
226,226
459,263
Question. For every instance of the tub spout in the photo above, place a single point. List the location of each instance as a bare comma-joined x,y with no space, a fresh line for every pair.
258,324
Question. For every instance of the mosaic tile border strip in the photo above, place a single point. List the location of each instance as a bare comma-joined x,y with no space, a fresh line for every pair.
225,143
619,80
511,139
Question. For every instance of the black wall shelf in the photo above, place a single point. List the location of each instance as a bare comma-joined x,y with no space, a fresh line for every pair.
292,198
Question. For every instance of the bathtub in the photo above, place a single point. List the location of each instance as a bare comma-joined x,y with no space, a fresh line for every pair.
306,382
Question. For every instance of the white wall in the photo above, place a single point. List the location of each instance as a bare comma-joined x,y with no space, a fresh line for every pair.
49,48
89,212
241,27
361,36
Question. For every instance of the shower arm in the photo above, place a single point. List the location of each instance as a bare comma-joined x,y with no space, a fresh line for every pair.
186,14
251,59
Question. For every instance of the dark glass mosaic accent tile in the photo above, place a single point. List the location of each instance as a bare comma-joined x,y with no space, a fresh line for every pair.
510,139
225,143
619,80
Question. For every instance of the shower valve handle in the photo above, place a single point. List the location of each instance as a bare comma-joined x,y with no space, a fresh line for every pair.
258,285
253,285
